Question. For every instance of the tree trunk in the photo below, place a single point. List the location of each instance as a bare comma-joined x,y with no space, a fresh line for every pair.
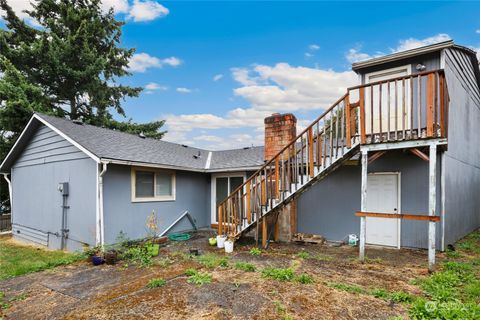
73,109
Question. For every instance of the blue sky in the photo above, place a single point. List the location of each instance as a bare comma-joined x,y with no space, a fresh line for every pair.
214,70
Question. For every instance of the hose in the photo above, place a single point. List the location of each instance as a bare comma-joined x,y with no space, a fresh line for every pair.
179,237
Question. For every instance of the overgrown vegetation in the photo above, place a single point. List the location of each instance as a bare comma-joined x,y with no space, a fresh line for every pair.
453,292
198,278
16,259
156,283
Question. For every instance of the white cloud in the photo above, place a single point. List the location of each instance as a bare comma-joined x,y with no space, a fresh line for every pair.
287,88
308,55
140,62
412,43
184,90
267,89
119,6
217,77
354,55
477,31
152,86
314,47
146,11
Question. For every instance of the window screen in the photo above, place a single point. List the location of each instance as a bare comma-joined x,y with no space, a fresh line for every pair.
144,184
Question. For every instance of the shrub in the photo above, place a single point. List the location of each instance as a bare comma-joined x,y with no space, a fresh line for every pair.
255,251
245,266
282,274
138,255
156,283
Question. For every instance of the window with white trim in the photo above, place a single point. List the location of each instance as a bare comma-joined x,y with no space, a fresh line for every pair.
152,185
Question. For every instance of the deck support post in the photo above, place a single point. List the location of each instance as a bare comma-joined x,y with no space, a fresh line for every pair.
432,196
363,225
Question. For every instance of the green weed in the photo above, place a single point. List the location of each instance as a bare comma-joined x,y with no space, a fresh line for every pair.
323,257
156,283
281,274
255,251
211,260
198,278
303,255
304,279
347,287
245,266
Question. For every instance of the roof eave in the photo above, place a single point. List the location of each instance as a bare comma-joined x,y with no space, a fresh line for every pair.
407,54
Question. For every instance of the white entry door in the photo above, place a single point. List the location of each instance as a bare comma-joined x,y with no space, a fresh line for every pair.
383,197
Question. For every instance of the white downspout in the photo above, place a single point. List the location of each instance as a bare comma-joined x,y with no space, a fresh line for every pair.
5,176
100,203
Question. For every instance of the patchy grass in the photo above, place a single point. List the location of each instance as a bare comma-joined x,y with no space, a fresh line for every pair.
211,260
17,259
304,279
454,291
255,251
156,283
245,266
347,287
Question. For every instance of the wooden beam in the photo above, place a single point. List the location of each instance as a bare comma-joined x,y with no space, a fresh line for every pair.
430,104
264,232
220,216
348,113
404,216
310,152
363,138
443,106
375,156
419,154
249,202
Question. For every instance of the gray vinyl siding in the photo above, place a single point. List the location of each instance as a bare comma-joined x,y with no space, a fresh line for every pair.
462,160
121,214
47,160
328,207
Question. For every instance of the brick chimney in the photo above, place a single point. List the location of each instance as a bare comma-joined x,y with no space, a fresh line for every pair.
280,130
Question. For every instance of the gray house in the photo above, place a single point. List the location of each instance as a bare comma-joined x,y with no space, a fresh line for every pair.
393,161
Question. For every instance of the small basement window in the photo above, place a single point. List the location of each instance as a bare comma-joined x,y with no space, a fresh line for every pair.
152,185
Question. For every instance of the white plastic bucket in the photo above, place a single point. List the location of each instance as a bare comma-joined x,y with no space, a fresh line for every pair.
228,246
221,241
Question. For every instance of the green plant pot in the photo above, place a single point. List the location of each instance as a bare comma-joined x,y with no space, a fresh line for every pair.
153,249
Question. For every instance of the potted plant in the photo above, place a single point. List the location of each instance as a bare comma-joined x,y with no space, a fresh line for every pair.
151,246
91,252
110,255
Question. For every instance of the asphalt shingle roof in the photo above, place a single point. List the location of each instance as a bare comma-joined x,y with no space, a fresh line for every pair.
116,145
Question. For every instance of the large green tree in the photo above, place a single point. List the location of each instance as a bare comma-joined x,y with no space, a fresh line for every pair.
68,63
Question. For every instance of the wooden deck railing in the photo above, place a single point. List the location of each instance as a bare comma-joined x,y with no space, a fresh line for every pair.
406,108
411,107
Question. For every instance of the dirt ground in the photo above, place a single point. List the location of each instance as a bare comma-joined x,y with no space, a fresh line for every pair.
82,291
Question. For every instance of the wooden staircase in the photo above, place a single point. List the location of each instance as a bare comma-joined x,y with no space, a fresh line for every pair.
407,108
